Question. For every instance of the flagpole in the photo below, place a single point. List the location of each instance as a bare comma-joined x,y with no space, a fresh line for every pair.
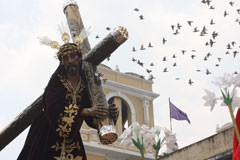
170,115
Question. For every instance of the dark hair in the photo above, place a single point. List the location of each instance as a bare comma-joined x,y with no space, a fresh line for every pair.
77,52
61,70
68,47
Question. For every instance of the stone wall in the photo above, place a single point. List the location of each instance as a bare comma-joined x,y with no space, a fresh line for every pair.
217,146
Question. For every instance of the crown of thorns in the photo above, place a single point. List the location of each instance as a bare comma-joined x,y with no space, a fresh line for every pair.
66,47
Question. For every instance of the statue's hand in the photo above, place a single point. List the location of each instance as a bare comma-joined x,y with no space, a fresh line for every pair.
98,111
113,112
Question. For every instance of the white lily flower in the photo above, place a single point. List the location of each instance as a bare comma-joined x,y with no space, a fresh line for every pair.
236,80
225,81
210,99
126,142
126,133
235,100
136,127
170,139
157,130
166,131
137,131
149,139
144,129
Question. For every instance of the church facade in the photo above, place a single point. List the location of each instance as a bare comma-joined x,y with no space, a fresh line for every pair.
134,97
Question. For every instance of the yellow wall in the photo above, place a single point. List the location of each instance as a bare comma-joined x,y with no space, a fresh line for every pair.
137,102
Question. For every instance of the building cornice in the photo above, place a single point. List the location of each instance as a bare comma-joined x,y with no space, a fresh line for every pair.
129,90
123,74
110,151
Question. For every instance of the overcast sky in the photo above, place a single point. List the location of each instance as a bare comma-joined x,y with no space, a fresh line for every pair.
26,66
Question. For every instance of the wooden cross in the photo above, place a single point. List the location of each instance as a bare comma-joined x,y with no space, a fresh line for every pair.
91,58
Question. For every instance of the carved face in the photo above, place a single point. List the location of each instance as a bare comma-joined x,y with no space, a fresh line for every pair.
71,62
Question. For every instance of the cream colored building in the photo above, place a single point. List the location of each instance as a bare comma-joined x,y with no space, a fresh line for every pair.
134,97
214,147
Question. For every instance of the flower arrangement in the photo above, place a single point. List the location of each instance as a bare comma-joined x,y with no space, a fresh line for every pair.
225,83
147,139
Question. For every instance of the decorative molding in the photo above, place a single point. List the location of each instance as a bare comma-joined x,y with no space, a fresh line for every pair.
113,152
146,104
115,86
109,70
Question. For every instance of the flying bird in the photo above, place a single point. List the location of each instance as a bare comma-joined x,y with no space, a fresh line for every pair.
150,45
165,70
211,22
176,32
133,49
238,11
183,52
142,48
151,64
225,13
205,58
164,40
229,46
208,54
151,77
208,72
193,56
214,34
196,29
134,60
235,53
141,17
179,26
148,70
140,63
211,7
219,59
190,82
136,9
190,23
231,3
208,2
211,42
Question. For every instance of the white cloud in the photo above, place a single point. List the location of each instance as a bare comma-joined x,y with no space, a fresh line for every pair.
27,65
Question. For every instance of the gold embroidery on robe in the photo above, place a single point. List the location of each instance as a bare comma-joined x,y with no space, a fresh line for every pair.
69,148
66,121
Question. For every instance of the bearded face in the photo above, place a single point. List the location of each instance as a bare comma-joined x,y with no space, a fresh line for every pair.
71,63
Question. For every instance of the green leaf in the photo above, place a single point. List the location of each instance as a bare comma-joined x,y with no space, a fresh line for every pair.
138,144
226,99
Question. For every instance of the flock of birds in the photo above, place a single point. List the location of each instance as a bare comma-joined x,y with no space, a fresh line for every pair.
231,49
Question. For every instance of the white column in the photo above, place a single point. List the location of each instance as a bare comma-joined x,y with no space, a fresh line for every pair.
146,104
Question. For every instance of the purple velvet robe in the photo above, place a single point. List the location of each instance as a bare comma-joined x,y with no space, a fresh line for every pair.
56,132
